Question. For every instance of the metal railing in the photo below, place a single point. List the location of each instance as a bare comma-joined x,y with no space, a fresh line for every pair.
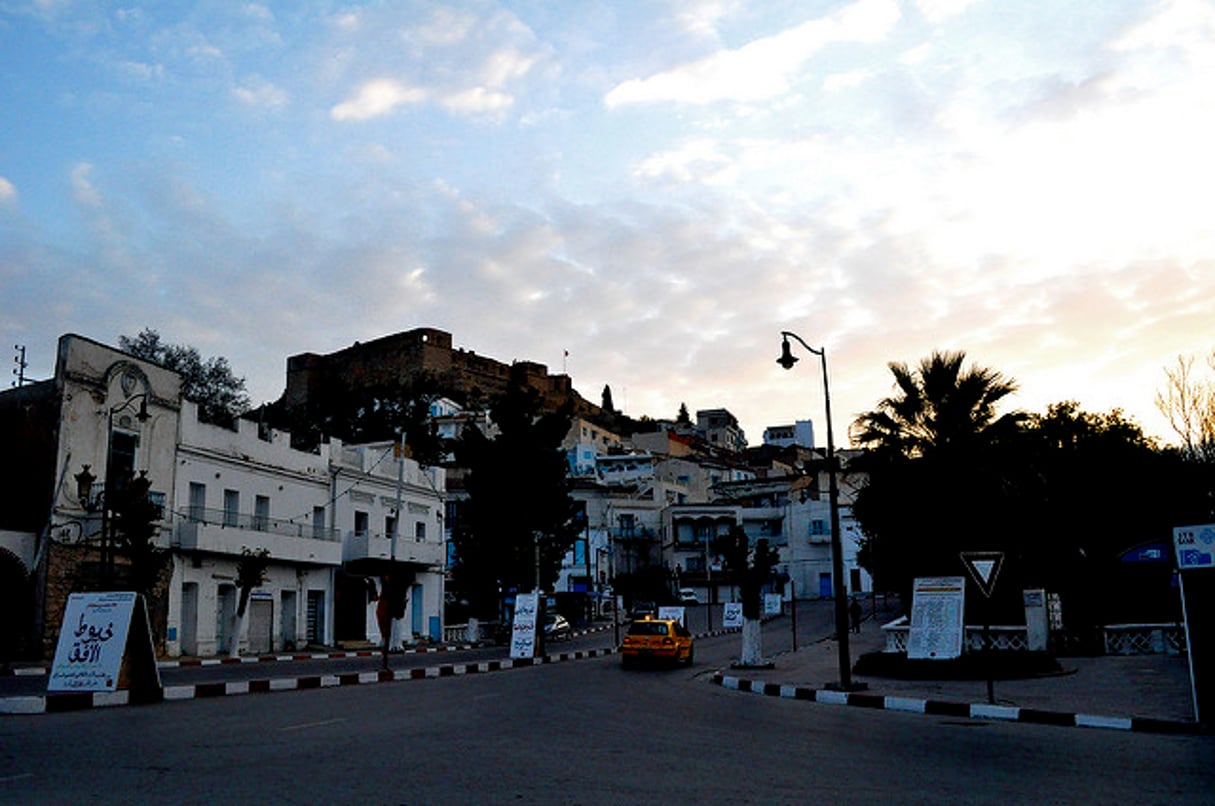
1118,639
226,519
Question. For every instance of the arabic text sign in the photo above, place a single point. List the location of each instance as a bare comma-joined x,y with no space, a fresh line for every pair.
731,615
92,641
1195,546
673,612
936,618
523,631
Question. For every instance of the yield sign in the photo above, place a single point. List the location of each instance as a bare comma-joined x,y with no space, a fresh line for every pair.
983,567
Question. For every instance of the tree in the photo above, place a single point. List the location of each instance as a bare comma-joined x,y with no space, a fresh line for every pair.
220,395
519,520
683,418
750,569
936,465
1079,468
1188,403
250,573
371,412
606,404
133,529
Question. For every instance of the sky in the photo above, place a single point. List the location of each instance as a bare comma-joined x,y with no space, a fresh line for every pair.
641,193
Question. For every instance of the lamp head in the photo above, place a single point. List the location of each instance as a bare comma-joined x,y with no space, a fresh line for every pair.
787,358
143,410
84,486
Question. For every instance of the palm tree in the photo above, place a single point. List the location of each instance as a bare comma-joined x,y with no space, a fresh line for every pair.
938,470
941,406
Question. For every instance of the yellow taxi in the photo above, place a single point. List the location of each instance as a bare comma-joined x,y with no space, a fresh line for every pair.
654,639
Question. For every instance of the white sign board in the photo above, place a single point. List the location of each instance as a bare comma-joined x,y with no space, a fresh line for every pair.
674,612
732,615
1195,546
523,632
774,604
92,642
936,618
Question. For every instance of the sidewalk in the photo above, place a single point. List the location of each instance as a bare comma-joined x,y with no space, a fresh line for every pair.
1143,693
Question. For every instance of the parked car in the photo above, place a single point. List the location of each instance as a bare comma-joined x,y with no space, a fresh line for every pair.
688,596
556,627
656,639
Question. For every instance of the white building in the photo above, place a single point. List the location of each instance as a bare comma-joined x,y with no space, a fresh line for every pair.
334,522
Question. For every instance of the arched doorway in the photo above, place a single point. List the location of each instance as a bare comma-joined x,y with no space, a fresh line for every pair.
17,605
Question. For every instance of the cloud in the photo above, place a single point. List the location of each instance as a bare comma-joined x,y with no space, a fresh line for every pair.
939,10
446,26
763,68
377,98
477,100
8,191
258,93
82,186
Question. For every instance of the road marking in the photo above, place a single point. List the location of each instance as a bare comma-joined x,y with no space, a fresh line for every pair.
304,725
19,777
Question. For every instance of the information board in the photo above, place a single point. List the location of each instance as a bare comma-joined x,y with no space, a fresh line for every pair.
105,643
675,612
523,631
774,604
936,618
732,615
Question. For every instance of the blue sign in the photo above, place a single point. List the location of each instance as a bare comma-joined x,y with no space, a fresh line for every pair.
1195,546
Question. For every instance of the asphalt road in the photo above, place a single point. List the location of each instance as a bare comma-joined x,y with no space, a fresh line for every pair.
582,732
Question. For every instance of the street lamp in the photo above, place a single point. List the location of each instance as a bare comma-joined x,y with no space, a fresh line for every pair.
103,500
787,360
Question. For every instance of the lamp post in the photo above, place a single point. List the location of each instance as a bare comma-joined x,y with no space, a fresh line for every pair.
85,479
839,589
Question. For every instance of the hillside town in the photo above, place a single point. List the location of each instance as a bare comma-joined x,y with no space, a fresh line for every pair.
264,539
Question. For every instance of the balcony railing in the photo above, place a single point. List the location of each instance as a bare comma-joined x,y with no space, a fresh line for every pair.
258,523
371,546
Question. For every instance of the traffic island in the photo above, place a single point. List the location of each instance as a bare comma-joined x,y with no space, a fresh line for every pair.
1014,665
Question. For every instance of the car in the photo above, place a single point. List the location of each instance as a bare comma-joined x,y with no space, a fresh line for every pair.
556,627
656,639
643,609
688,596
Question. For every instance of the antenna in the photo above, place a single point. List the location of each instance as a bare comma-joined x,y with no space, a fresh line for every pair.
22,364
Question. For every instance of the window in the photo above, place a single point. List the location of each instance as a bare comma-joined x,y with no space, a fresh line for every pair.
231,508
261,513
198,502
819,527
628,525
419,531
362,524
318,523
121,464
390,525
703,531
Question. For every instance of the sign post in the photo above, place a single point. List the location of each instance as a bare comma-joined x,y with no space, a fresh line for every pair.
1195,550
984,568
105,644
523,628
731,615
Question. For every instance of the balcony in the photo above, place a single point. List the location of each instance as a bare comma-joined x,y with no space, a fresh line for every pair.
360,547
219,532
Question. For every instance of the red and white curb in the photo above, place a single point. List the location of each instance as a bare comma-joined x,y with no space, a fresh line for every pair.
963,710
57,703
